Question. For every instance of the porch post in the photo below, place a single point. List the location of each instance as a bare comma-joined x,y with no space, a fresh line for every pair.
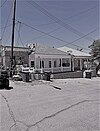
35,62
73,64
61,65
80,64
29,61
44,64
87,64
70,63
51,66
41,66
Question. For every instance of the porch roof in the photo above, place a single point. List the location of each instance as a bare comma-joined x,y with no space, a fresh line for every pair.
74,52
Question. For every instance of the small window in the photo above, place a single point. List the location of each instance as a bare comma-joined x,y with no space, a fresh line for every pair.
49,64
32,63
65,62
59,62
42,64
55,64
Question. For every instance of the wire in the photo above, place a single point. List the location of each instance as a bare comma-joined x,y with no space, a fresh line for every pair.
54,18
72,17
3,3
19,36
84,35
82,12
7,26
8,39
7,21
79,13
42,35
67,43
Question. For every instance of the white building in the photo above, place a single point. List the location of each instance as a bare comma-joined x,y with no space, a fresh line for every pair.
46,58
79,60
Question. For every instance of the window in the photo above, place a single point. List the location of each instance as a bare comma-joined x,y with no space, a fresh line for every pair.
55,64
42,64
49,64
65,63
60,63
32,63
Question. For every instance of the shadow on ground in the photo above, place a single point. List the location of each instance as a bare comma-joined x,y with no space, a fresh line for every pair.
9,88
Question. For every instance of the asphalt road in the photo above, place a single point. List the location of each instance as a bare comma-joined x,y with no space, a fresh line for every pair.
60,105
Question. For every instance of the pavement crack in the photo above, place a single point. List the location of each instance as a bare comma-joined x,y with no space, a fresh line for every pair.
28,127
55,114
10,112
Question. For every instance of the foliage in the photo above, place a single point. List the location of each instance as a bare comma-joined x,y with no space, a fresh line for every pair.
95,48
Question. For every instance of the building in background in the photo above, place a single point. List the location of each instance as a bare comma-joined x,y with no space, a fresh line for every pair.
46,58
21,56
80,60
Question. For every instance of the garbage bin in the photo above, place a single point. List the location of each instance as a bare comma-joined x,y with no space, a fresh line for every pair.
47,76
37,76
25,76
88,74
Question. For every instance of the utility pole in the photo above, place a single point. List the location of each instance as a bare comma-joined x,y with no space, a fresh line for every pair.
13,32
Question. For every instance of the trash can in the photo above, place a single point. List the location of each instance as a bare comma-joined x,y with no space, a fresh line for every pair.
37,76
25,76
88,74
32,76
47,76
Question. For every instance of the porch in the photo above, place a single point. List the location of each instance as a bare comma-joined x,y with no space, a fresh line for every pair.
56,63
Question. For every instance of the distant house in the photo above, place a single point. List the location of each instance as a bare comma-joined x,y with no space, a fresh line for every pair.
47,58
21,56
79,60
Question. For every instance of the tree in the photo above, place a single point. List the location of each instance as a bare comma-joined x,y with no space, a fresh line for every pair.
95,49
95,52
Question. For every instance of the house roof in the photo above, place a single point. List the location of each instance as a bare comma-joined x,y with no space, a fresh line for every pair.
46,50
8,48
74,52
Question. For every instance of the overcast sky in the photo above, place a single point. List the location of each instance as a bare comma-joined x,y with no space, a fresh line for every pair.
63,22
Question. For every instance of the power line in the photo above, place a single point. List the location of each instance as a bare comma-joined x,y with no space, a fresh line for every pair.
3,3
84,35
7,26
57,20
79,13
43,35
19,36
6,21
82,12
67,43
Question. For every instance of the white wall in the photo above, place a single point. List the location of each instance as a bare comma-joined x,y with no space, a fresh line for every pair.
46,58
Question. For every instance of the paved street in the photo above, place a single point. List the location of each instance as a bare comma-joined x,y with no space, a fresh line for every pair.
60,105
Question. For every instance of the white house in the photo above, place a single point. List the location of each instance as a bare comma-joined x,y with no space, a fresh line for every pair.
79,60
47,58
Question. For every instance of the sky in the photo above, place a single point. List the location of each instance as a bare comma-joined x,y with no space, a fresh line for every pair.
73,23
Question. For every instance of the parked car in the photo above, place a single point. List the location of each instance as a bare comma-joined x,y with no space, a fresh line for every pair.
4,79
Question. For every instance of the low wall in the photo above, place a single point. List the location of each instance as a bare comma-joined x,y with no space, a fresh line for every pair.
78,74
